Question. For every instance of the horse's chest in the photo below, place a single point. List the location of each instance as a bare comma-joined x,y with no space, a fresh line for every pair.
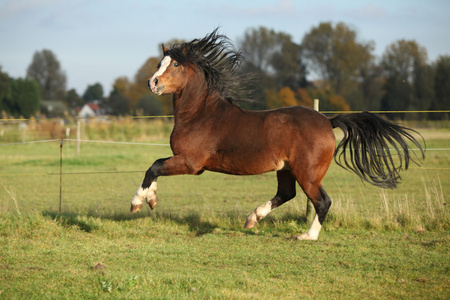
186,141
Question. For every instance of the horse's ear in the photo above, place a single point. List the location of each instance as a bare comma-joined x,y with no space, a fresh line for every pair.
164,49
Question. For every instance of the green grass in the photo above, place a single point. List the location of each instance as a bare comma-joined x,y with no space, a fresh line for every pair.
375,243
70,256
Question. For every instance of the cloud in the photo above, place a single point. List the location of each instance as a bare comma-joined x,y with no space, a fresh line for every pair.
249,9
368,12
14,7
282,7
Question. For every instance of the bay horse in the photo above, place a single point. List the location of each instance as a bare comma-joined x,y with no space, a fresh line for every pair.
212,133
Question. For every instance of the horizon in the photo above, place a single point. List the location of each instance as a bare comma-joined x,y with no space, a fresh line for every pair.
99,41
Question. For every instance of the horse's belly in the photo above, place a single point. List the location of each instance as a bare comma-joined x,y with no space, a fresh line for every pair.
244,164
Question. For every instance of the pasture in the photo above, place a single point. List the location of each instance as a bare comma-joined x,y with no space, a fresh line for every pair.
374,244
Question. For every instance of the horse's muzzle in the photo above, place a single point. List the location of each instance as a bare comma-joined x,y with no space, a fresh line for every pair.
153,85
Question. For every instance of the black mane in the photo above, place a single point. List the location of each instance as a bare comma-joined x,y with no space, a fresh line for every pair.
216,56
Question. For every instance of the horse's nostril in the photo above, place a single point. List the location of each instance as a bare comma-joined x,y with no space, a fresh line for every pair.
156,81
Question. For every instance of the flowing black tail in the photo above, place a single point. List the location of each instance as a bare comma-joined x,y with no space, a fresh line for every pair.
367,144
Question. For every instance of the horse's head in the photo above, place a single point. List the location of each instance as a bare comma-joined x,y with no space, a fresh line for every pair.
170,77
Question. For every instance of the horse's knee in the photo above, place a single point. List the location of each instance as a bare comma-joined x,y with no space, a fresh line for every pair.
322,205
153,173
319,199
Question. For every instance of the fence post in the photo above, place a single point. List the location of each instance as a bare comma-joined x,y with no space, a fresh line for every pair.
316,104
60,173
310,210
78,136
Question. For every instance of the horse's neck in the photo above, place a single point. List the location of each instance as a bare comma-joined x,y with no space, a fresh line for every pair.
194,102
188,103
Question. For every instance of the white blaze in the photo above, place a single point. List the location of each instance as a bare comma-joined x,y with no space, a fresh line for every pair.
164,64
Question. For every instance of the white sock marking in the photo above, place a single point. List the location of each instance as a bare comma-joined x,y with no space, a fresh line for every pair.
264,210
152,189
314,230
144,194
138,198
260,212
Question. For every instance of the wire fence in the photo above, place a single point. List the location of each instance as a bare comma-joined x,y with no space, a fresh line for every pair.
151,144
79,140
171,116
144,144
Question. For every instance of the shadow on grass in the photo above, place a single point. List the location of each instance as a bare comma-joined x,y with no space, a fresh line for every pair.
193,220
89,222
72,220
197,223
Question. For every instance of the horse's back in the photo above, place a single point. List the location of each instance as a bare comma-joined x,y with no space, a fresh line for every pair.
298,123
298,116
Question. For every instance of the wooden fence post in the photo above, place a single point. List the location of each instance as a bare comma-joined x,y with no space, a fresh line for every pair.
60,173
310,210
78,136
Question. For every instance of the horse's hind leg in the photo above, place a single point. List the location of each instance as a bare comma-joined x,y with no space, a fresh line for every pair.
286,191
321,203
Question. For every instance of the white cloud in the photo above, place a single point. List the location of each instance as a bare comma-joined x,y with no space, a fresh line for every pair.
282,7
371,11
249,9
13,7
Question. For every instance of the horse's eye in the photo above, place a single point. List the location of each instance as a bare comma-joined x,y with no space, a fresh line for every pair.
175,64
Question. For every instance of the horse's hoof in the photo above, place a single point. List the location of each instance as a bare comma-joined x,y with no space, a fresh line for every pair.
305,237
250,224
135,208
152,203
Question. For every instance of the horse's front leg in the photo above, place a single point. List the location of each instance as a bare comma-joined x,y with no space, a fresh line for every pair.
175,165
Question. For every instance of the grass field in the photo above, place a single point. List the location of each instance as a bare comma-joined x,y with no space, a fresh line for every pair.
374,244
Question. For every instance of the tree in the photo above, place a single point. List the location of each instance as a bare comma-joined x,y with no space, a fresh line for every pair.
328,99
122,85
73,100
423,87
276,62
275,55
370,87
258,44
441,85
287,97
304,98
335,55
19,97
149,105
25,97
140,85
5,91
408,79
93,92
287,64
117,104
45,69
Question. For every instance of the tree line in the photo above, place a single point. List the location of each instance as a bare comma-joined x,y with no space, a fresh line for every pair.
346,75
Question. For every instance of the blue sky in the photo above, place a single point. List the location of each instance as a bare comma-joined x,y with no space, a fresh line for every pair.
100,40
